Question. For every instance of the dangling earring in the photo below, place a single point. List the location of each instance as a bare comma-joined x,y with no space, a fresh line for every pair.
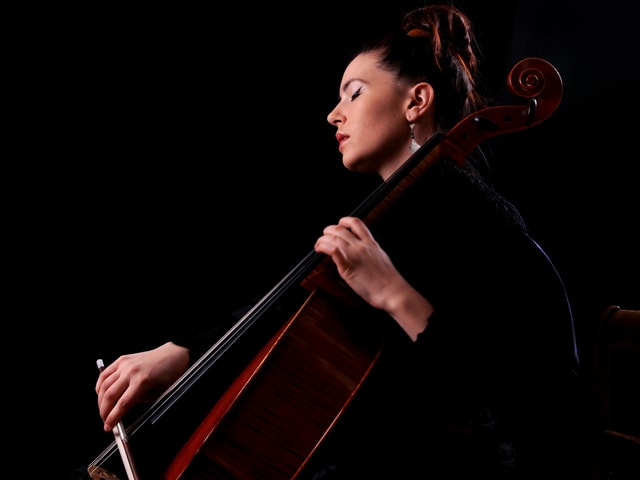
414,145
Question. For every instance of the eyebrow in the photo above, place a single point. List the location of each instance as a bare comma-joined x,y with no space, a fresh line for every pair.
345,87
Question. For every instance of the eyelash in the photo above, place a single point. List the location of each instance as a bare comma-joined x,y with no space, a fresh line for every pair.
356,94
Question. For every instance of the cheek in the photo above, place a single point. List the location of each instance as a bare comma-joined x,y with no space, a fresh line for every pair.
388,114
385,128
377,124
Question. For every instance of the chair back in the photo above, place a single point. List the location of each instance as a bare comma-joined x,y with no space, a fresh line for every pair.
616,395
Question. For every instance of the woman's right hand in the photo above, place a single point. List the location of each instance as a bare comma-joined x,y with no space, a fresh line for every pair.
138,377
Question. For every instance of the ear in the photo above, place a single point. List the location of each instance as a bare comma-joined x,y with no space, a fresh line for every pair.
420,101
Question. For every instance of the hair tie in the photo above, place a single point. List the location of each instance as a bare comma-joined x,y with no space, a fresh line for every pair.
417,32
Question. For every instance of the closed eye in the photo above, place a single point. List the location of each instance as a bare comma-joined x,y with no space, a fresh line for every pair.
356,94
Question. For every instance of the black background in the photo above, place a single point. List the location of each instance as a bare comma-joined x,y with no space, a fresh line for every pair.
177,160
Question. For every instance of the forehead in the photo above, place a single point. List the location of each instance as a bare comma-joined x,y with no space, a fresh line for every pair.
364,61
365,67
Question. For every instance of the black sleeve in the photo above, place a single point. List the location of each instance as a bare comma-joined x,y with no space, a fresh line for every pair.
199,342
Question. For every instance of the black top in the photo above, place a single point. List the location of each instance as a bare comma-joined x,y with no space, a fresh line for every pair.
485,390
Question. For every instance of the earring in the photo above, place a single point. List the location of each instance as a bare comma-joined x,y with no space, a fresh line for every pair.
414,145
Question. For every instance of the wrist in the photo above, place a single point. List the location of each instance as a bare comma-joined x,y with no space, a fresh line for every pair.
411,311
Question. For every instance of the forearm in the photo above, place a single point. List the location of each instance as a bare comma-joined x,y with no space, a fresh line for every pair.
410,310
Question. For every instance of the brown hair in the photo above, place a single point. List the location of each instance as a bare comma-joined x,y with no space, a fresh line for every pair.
436,44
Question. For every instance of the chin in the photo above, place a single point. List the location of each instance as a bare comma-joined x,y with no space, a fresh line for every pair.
354,165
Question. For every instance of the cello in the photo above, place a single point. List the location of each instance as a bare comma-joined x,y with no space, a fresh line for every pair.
237,414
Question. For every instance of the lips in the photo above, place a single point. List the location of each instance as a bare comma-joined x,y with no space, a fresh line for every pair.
341,138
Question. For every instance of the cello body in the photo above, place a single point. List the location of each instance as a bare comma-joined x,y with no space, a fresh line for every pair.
237,414
274,417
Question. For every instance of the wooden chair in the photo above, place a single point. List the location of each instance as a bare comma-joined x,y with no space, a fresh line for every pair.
616,395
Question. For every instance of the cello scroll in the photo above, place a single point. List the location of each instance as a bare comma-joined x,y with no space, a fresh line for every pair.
531,78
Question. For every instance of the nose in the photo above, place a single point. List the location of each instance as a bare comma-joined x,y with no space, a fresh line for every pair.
335,117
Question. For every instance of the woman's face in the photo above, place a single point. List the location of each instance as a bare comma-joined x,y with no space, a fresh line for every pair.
373,131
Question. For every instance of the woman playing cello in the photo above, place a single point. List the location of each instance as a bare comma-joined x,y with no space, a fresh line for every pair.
479,357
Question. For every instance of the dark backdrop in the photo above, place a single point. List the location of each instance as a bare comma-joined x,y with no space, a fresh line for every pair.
183,163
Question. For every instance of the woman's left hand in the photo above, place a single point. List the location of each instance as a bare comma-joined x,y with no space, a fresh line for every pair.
360,260
371,274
